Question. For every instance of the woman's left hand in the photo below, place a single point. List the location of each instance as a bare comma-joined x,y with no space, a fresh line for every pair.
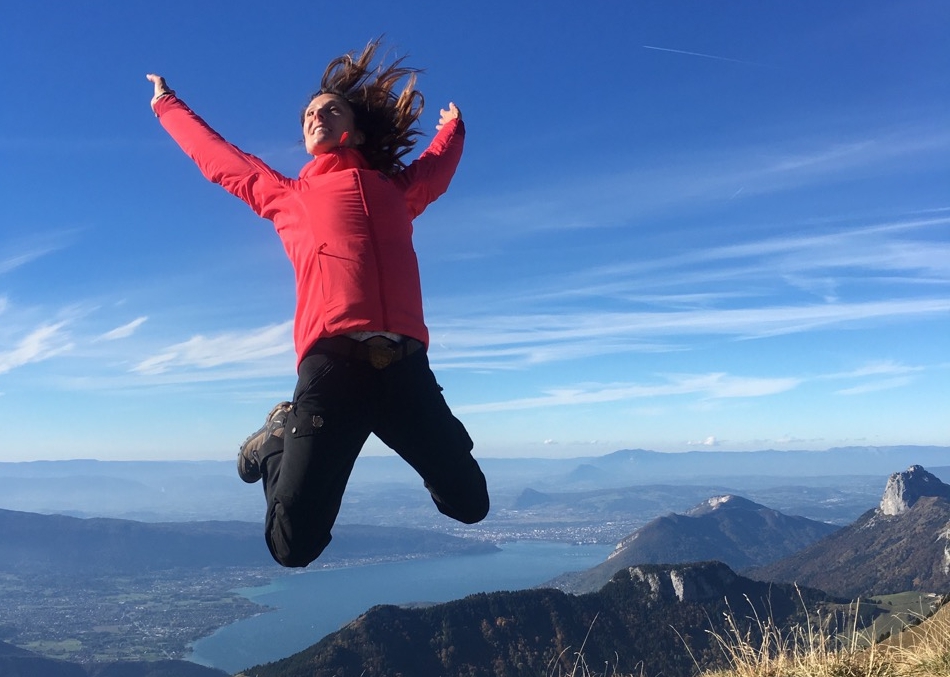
446,116
161,88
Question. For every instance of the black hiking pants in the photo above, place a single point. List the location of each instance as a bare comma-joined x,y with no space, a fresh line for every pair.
339,400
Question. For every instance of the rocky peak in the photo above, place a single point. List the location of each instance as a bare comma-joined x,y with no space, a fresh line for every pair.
723,502
686,583
906,488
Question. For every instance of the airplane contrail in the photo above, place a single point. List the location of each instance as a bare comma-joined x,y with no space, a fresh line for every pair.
705,56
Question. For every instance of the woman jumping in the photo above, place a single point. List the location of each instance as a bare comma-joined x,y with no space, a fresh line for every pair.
359,333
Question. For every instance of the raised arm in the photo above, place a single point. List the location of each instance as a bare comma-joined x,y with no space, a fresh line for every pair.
426,179
240,173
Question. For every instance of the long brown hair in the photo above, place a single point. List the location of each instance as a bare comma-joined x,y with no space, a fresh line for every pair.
385,118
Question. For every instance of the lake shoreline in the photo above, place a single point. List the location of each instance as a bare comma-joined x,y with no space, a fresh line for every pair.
312,603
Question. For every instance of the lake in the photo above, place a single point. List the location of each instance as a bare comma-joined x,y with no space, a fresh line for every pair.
312,604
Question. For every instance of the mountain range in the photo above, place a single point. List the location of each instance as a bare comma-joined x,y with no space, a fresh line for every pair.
730,529
903,544
68,545
649,611
837,484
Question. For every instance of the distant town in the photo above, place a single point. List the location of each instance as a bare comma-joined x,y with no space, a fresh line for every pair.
144,617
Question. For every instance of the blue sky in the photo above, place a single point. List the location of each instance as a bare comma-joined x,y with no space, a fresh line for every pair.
676,225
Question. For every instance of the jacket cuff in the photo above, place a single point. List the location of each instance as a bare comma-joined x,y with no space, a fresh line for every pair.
164,103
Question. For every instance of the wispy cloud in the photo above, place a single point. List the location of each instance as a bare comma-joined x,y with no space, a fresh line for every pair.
870,275
911,248
873,375
203,352
37,247
14,261
823,157
125,331
518,341
876,386
41,344
878,368
707,386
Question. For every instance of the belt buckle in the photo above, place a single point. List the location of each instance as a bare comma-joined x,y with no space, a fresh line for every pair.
381,357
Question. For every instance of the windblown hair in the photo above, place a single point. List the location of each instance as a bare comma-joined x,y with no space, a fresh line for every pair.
385,118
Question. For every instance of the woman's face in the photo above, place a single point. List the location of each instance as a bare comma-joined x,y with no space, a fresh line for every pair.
325,121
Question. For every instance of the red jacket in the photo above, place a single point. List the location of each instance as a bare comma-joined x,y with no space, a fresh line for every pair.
346,228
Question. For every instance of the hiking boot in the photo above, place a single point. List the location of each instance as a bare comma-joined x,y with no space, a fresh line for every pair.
249,459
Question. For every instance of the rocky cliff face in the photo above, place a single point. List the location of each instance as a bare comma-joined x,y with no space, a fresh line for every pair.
689,583
904,489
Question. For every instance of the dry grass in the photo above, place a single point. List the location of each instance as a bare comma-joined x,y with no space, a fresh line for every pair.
924,650
811,650
814,651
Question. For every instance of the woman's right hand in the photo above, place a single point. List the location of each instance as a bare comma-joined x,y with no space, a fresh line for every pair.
161,88
446,116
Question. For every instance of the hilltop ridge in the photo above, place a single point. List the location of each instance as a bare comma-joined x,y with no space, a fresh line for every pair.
200,490
727,528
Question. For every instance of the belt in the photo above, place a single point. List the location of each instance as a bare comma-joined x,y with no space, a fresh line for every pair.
379,351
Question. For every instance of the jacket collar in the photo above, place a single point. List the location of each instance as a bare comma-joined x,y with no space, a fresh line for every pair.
335,160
